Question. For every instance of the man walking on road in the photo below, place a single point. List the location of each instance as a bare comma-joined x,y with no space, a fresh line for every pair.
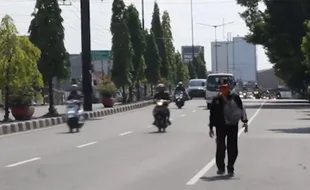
225,112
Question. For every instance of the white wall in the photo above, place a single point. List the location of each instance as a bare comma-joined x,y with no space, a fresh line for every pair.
241,58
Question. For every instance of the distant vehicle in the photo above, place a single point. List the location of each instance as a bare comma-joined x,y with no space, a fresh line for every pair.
212,87
196,88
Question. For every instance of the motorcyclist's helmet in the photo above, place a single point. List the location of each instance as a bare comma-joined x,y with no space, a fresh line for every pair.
180,83
74,88
256,85
160,87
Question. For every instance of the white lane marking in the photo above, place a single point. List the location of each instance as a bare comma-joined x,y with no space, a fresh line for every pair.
149,126
126,133
23,162
183,115
207,167
194,111
87,144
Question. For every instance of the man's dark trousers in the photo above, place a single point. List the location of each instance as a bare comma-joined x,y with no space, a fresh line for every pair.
231,132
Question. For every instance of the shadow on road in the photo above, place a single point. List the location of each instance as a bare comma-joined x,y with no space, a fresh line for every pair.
156,132
304,130
63,133
218,178
278,106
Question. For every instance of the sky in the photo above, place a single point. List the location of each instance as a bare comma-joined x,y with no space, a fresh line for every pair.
211,12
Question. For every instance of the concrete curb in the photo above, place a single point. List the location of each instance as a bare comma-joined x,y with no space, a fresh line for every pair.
49,122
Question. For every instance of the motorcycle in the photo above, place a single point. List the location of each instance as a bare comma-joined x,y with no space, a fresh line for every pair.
257,95
161,119
179,100
75,116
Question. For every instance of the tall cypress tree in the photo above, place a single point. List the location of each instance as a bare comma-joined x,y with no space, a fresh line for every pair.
159,39
47,33
121,47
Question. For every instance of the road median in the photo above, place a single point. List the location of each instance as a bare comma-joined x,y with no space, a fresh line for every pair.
15,127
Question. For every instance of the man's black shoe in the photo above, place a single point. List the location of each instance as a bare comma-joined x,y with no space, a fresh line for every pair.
220,172
231,172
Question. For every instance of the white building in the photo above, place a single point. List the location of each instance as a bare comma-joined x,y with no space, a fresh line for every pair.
237,57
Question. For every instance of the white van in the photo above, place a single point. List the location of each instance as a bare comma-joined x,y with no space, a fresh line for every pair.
212,86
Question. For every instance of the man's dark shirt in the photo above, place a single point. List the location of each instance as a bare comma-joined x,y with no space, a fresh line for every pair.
75,96
162,95
217,109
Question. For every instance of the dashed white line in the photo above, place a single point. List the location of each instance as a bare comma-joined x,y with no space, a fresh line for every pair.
194,111
23,162
126,133
149,126
87,144
207,167
183,115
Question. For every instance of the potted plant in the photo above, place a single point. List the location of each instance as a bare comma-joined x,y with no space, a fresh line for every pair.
20,102
107,91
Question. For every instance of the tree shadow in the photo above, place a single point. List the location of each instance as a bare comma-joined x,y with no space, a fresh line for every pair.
218,178
300,130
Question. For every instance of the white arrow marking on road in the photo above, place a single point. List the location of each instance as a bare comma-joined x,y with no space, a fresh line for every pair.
194,110
22,162
183,115
87,144
207,167
126,133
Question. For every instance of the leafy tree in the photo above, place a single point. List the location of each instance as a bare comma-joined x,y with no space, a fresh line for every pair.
305,46
191,70
152,59
279,29
159,38
170,49
19,76
200,65
182,73
139,45
121,47
47,33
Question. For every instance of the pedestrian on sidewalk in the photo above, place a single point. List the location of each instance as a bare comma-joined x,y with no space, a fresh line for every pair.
225,112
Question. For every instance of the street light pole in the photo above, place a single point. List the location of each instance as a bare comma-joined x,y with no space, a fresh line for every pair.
216,45
86,55
192,29
142,2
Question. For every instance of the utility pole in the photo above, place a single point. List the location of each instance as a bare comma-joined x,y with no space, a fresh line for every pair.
192,28
142,3
86,55
215,40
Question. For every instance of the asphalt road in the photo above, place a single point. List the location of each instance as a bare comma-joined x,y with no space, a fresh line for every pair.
122,152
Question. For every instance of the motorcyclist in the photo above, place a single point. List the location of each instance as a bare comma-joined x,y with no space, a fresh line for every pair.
256,88
180,88
244,88
75,94
161,94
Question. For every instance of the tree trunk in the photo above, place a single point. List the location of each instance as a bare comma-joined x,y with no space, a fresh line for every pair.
51,110
138,90
130,98
124,94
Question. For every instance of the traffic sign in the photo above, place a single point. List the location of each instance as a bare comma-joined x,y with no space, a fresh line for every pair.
97,55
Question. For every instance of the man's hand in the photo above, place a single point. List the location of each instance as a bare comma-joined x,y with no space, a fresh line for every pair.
245,125
211,133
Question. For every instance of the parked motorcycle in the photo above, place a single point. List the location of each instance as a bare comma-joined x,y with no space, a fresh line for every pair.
75,115
179,100
161,118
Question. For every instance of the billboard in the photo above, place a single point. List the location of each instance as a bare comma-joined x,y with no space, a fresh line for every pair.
187,52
